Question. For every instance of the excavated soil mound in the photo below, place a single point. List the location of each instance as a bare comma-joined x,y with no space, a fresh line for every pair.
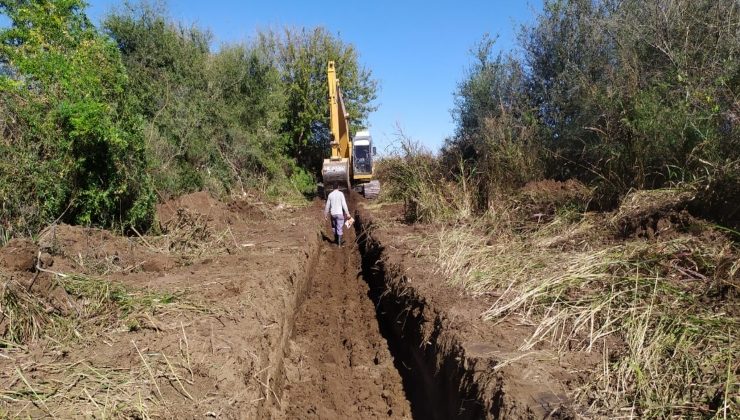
542,198
131,327
653,213
234,311
18,255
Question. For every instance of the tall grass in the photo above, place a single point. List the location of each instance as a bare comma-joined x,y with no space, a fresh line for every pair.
74,305
413,175
662,312
23,315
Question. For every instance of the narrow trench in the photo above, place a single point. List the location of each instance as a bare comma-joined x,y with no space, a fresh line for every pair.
339,364
418,381
437,384
361,350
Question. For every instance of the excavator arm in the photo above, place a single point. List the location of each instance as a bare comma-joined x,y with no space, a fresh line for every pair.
340,167
337,168
340,144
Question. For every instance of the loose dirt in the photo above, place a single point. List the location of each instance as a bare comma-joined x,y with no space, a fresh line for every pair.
197,326
247,310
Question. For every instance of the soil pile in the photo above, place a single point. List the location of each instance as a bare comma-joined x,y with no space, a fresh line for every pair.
236,310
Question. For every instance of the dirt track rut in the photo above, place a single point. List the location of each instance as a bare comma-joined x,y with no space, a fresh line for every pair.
339,364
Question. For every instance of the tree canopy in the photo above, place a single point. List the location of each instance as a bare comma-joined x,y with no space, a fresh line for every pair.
97,122
74,149
619,94
302,55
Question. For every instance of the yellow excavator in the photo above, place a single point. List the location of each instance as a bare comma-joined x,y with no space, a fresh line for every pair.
351,161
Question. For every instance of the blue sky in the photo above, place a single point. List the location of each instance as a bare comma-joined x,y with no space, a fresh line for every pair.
418,50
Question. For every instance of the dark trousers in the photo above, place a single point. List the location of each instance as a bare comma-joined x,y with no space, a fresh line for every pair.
337,223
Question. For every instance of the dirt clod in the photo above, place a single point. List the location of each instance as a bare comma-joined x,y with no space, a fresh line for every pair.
19,255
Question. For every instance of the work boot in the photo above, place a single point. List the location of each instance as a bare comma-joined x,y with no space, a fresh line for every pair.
339,241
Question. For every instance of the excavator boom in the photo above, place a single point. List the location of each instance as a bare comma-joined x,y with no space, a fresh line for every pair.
340,145
347,164
336,169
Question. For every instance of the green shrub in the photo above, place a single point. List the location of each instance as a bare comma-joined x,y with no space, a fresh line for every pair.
75,151
619,95
213,120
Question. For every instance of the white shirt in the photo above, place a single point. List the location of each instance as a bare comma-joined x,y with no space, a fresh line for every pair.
336,203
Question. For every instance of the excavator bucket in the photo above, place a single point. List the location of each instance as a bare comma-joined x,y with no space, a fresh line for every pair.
335,171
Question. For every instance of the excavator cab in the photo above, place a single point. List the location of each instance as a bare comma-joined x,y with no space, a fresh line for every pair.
362,162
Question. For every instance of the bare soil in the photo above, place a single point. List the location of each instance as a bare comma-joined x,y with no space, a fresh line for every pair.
251,312
340,365
237,273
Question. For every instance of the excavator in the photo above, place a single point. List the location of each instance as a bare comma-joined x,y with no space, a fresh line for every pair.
351,162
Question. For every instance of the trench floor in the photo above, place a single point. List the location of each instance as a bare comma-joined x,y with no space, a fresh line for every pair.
339,364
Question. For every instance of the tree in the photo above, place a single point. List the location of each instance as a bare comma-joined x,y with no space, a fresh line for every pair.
213,119
635,94
167,66
302,57
495,138
79,155
619,94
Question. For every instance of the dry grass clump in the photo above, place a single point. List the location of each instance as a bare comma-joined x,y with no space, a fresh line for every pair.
74,305
650,201
91,306
542,199
74,389
414,176
189,236
23,315
662,312
100,302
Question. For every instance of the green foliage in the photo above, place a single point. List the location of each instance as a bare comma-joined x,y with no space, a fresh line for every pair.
631,90
301,57
167,67
92,125
496,131
303,181
618,94
247,116
73,150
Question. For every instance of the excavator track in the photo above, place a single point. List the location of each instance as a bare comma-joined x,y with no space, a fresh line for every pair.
371,190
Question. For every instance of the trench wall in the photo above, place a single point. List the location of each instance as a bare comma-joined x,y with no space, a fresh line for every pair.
442,378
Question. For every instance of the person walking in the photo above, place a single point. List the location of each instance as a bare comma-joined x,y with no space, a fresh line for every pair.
336,205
